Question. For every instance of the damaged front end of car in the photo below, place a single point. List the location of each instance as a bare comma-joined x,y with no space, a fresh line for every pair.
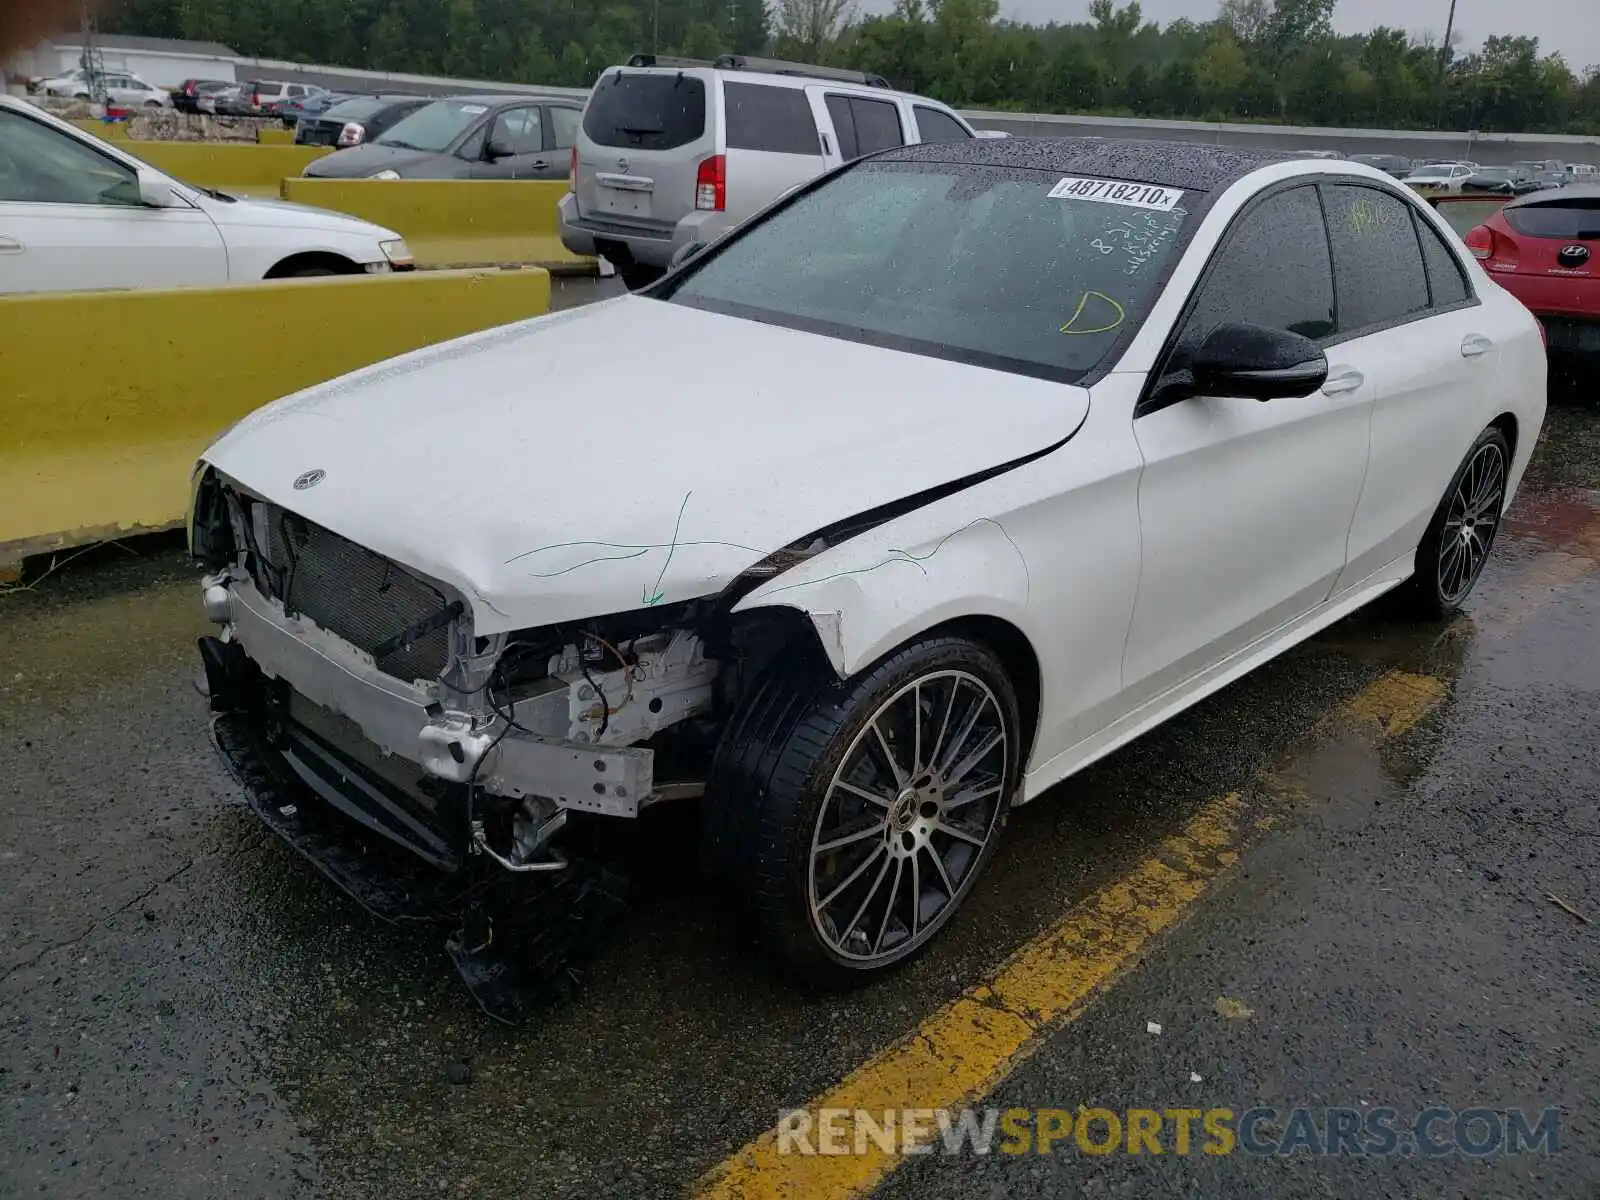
439,775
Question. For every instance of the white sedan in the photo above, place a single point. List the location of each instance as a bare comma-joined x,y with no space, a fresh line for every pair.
953,472
78,214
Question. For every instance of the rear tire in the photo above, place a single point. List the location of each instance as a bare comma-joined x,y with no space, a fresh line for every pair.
851,862
1458,540
635,276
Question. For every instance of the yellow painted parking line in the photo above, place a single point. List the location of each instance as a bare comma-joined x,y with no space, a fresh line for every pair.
964,1050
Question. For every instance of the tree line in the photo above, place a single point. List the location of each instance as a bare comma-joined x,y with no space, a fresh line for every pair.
1256,60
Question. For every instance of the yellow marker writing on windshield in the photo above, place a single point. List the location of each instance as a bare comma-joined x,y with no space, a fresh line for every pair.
1078,312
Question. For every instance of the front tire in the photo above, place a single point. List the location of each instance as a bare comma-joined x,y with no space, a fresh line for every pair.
1457,541
855,816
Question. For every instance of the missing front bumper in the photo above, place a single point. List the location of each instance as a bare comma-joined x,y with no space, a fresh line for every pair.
514,940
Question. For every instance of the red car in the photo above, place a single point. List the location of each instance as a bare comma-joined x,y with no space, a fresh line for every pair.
1544,248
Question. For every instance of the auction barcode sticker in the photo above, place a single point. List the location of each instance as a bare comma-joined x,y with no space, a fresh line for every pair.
1112,191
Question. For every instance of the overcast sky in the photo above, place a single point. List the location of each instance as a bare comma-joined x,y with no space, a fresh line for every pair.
1571,26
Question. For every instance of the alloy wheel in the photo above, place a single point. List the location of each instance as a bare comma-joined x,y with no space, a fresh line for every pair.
907,817
1471,522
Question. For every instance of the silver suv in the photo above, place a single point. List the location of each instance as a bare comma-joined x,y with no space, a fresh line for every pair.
675,151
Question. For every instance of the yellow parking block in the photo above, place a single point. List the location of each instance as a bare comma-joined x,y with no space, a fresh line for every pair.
106,398
453,222
960,1053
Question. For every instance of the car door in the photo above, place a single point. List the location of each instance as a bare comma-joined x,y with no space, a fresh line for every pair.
1245,506
1409,315
772,144
71,220
515,147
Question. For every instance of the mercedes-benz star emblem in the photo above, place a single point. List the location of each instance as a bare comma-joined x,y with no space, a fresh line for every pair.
310,479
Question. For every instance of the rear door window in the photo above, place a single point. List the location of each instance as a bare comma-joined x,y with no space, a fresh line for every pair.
864,126
1377,260
935,126
1570,220
564,125
646,111
777,120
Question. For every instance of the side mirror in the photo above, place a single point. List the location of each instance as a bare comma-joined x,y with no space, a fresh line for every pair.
494,150
684,254
991,133
154,191
1257,363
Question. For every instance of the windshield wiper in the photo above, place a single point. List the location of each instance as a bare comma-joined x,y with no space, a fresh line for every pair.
397,145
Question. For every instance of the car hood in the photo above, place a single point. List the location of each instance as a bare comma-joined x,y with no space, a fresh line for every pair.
631,453
359,162
280,214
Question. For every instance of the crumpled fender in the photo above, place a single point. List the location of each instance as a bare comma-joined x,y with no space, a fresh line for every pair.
883,587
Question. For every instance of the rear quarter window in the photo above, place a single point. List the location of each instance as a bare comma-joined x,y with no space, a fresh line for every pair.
642,111
935,126
1575,219
777,120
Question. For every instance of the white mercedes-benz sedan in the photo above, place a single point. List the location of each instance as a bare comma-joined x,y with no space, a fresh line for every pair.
944,477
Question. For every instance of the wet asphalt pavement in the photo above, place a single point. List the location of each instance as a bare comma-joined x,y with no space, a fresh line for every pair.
186,1011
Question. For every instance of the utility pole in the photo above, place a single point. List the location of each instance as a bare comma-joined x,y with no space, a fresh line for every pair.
1444,58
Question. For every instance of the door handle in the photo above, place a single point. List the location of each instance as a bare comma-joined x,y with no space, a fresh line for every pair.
1345,381
827,146
1475,345
541,164
9,245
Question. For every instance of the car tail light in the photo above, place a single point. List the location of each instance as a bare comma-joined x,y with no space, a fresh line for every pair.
711,185
1480,240
352,134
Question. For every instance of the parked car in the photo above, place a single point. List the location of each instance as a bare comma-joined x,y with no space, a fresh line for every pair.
270,98
79,214
1508,181
1397,165
292,112
985,502
465,137
1544,248
675,152
257,98
1444,177
355,121
118,87
188,96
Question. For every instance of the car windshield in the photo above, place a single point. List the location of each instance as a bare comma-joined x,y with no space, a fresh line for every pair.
434,127
1016,269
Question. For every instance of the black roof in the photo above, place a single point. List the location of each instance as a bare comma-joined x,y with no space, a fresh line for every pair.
1186,165
1572,191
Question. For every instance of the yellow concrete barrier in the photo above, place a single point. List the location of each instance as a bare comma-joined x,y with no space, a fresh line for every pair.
275,137
109,131
229,166
453,222
106,398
